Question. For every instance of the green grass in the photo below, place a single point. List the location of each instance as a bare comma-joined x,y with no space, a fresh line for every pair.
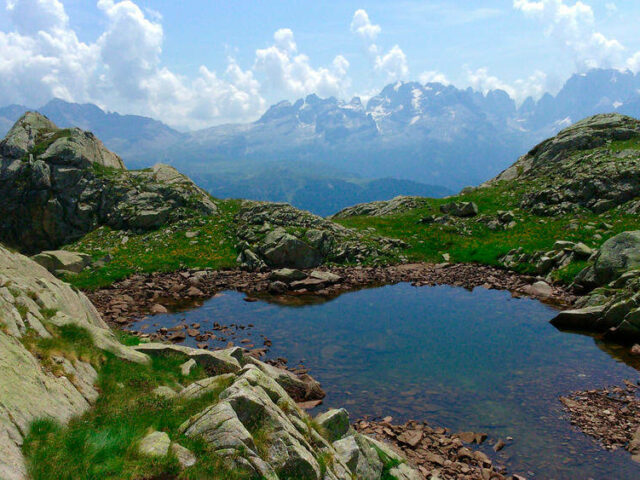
68,341
472,241
42,145
102,443
631,144
568,274
164,250
22,310
388,464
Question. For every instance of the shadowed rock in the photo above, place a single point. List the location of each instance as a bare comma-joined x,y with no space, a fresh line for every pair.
59,184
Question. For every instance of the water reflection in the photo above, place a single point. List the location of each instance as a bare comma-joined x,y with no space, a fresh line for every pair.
468,360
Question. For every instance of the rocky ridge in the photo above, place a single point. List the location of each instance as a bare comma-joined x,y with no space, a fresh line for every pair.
384,207
278,235
59,184
593,164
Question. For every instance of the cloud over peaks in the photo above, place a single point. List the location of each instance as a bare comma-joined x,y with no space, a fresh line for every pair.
574,26
392,64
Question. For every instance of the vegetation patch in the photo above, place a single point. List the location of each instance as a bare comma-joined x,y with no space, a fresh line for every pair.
103,442
164,250
43,144
68,341
388,464
471,240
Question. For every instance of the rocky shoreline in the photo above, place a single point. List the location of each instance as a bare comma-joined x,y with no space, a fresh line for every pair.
609,415
437,453
141,295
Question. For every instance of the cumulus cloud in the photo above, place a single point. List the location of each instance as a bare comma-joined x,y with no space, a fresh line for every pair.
33,16
288,72
392,64
633,63
481,80
362,26
574,26
42,58
433,76
534,86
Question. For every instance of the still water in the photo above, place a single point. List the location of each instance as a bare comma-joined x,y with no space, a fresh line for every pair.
468,360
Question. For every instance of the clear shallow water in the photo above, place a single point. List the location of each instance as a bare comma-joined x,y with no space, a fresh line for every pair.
480,361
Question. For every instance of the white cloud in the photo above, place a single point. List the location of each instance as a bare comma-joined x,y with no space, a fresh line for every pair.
483,81
534,86
362,26
633,63
43,58
433,76
574,26
32,16
393,64
290,73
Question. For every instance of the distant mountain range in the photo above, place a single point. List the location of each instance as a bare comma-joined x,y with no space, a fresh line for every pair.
320,154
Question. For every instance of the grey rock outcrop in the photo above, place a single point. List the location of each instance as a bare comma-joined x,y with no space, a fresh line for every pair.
384,207
59,184
613,307
34,302
278,235
580,168
57,261
460,209
546,262
335,422
258,427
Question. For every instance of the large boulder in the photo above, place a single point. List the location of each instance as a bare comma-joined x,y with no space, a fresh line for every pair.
34,302
460,209
279,235
616,256
281,249
35,135
62,261
59,184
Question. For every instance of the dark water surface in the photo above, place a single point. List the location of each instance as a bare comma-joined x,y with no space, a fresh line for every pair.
479,361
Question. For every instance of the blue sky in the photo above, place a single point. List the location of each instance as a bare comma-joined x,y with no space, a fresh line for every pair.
196,63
